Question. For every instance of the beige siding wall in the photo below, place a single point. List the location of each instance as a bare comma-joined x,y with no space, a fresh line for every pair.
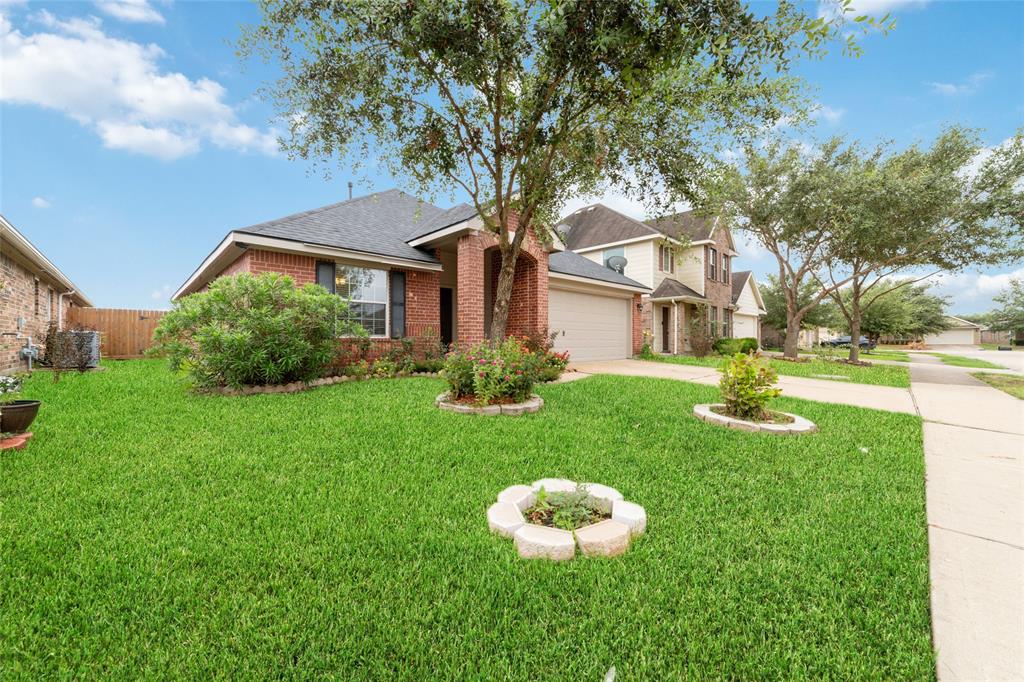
690,268
744,326
746,302
639,261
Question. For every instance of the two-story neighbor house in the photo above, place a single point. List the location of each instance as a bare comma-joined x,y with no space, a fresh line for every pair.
686,260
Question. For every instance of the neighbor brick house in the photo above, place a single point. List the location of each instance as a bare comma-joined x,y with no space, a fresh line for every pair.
34,293
411,269
686,260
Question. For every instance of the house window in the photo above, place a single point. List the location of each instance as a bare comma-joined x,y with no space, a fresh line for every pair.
49,304
37,297
712,263
727,322
611,253
666,261
713,320
725,268
367,292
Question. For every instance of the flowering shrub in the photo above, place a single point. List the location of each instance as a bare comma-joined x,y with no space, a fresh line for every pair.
542,344
747,385
10,388
490,374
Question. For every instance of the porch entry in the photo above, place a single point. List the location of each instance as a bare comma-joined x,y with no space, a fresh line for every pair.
665,324
447,316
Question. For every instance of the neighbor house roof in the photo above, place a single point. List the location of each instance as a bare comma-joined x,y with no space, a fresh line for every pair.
684,226
379,224
40,263
739,280
960,323
569,263
671,288
596,225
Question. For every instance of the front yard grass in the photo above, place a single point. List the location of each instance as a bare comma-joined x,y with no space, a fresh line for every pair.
892,355
881,375
340,532
1008,383
961,361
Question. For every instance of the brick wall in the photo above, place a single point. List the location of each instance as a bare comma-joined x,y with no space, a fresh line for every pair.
470,289
637,310
719,293
422,292
26,297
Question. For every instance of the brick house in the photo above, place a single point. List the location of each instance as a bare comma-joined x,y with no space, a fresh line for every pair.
412,269
33,294
686,260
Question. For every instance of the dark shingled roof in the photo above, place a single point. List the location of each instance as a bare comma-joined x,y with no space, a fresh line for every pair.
569,263
686,225
446,218
671,288
378,224
739,280
598,224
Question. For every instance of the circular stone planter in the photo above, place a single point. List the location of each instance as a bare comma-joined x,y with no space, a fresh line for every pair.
798,426
609,537
515,409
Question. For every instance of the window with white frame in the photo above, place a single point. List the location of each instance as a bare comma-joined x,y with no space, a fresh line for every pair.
712,263
666,259
713,320
367,292
725,268
727,323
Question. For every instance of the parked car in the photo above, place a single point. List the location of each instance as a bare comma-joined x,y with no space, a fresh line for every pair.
844,341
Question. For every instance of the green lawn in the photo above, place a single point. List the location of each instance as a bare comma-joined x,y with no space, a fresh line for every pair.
961,361
1008,383
882,375
340,532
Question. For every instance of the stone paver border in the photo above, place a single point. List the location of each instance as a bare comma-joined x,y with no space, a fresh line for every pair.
607,538
515,409
798,426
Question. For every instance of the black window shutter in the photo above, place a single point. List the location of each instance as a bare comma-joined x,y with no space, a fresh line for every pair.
397,305
325,275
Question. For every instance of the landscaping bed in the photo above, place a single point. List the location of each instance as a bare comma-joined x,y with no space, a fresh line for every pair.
881,375
339,532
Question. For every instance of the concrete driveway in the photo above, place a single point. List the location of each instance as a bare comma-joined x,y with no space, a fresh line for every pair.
822,390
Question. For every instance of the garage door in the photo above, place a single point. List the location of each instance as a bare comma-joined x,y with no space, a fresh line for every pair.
590,326
958,337
744,326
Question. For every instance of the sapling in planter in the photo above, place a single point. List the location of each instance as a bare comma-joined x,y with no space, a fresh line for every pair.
747,385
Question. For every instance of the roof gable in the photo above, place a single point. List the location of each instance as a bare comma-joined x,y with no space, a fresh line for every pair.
597,225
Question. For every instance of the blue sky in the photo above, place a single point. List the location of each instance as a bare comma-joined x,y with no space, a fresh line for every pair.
132,139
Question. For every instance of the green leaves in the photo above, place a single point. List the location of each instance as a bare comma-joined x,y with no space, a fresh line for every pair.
252,330
747,385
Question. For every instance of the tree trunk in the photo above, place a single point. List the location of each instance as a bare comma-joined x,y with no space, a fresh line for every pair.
855,335
503,294
789,350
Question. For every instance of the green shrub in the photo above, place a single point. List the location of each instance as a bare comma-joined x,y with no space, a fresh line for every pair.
431,365
748,344
490,374
747,385
726,346
253,330
699,332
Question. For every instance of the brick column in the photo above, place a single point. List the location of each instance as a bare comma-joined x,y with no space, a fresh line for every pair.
637,310
470,289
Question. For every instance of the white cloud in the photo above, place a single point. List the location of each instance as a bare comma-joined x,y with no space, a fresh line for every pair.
967,87
829,9
163,293
40,202
134,11
117,88
973,291
827,113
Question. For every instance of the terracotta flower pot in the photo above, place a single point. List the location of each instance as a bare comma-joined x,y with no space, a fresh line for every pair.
17,416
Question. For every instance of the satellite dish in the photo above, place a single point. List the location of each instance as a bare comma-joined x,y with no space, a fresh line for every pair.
617,263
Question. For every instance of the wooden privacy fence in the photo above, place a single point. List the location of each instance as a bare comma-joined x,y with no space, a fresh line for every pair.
124,333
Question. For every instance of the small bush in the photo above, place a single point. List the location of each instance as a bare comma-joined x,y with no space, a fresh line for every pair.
431,365
726,346
565,510
701,337
253,330
747,385
748,344
489,374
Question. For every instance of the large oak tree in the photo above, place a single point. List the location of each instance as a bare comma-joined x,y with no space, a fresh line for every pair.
518,104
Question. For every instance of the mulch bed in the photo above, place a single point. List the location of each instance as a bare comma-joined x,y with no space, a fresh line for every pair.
473,401
774,417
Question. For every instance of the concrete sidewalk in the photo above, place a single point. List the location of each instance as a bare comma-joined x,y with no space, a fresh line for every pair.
974,449
822,390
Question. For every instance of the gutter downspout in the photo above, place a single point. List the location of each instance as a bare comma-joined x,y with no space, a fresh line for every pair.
675,314
60,308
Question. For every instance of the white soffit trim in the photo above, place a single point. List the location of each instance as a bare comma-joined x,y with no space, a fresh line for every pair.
623,242
474,223
22,244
